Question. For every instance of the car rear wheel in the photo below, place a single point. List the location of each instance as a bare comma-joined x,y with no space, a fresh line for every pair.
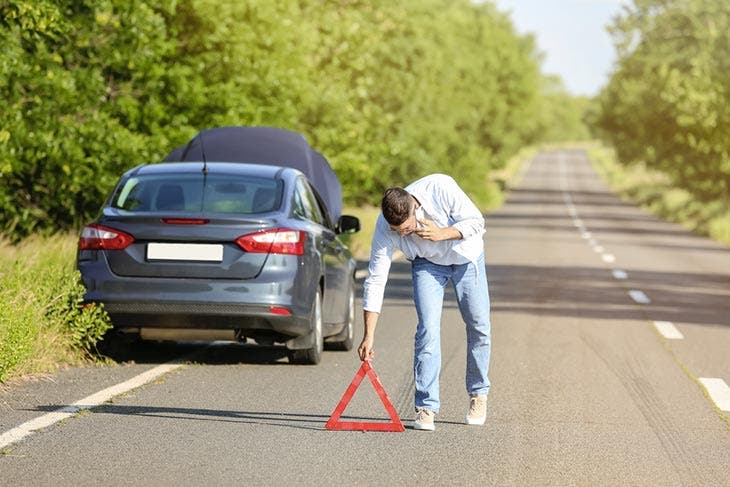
312,355
344,340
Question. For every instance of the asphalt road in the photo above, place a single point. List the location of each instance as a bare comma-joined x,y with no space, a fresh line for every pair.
585,388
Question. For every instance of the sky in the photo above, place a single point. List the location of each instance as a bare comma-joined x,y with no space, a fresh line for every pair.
572,36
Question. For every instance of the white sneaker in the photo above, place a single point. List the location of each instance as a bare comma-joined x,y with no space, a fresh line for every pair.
477,410
424,420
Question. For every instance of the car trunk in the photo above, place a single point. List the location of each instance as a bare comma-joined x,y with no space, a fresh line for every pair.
204,249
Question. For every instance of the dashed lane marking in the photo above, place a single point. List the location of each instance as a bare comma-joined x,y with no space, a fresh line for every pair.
668,330
610,258
719,392
619,274
639,296
30,427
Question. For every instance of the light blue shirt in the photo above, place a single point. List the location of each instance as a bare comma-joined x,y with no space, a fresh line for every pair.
444,202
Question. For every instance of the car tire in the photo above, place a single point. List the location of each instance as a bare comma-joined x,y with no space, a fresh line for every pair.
312,356
346,337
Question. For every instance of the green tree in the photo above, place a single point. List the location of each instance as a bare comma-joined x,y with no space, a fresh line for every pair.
667,103
389,91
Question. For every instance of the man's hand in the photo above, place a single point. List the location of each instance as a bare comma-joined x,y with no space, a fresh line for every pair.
365,350
430,231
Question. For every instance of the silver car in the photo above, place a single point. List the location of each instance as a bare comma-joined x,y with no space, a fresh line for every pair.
222,250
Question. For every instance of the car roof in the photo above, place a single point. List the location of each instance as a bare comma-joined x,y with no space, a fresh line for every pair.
232,168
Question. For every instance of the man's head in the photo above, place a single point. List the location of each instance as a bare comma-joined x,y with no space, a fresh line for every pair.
398,210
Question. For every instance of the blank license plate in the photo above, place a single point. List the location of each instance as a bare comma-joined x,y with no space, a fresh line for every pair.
197,252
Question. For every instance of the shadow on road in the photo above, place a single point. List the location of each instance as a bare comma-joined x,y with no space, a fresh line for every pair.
219,353
592,292
280,419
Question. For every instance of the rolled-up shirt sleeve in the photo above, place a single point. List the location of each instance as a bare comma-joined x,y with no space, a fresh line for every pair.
381,256
467,218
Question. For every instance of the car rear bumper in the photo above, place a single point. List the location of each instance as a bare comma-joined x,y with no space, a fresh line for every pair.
206,304
245,319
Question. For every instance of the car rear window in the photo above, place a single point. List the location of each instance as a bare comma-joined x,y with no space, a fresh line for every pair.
188,193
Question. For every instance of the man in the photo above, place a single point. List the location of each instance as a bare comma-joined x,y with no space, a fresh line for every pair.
439,230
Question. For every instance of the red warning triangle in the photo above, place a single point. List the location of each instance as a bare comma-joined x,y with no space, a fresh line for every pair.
334,422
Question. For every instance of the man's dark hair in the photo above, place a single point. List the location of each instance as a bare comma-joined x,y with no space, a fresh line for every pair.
396,205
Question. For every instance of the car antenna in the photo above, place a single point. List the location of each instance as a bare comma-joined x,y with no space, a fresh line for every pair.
202,151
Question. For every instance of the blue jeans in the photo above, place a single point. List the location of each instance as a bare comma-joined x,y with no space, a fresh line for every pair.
472,295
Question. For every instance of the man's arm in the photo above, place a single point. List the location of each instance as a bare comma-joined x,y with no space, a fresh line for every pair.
365,350
381,252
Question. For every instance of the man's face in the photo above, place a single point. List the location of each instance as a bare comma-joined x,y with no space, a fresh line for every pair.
407,227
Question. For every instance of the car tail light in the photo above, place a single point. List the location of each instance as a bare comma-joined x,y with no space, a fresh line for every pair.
279,310
274,241
98,237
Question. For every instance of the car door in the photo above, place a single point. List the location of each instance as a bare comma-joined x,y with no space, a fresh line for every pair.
334,254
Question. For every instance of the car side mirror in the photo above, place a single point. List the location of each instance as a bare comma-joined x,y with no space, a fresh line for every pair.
348,224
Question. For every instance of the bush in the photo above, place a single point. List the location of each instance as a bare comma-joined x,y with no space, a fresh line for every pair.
42,322
719,228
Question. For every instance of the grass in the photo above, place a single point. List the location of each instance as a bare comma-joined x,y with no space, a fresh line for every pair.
42,325
654,191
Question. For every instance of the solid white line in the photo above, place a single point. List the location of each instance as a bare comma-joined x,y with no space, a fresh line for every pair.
610,258
719,392
668,330
29,427
619,274
639,296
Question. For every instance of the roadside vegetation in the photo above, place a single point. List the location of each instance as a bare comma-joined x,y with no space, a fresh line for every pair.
388,91
666,112
41,322
656,192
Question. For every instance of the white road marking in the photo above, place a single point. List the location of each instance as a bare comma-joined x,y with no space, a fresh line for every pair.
577,223
586,235
610,258
668,330
361,274
619,274
29,427
598,249
639,296
719,392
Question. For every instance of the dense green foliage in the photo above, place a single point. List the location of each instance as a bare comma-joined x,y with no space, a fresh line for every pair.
668,103
41,321
389,91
